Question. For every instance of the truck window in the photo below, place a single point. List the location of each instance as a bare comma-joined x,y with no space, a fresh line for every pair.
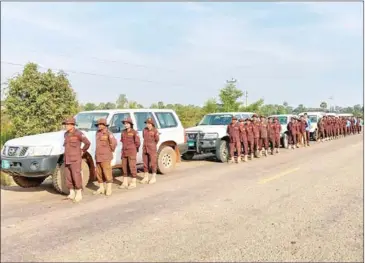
141,117
117,120
87,120
166,119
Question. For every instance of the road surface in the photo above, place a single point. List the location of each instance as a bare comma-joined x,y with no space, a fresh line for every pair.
300,205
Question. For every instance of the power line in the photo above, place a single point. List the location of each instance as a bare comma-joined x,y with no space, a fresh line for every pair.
94,74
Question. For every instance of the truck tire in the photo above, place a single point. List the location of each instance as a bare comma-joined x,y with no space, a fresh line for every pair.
188,156
285,141
315,135
28,182
59,180
222,153
166,160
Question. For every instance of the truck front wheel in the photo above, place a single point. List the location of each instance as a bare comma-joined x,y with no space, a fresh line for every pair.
222,152
59,178
28,182
285,141
166,160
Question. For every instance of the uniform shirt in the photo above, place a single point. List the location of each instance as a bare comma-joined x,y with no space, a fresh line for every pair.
243,132
271,130
264,130
233,132
277,129
105,146
72,143
249,131
150,140
131,142
256,129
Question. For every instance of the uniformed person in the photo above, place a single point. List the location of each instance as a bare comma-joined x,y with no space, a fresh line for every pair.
243,140
277,134
303,133
321,133
264,140
271,134
256,134
131,143
150,141
292,129
234,140
105,146
250,137
73,158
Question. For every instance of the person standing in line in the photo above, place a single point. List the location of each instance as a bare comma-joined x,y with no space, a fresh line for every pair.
250,137
292,129
298,132
321,134
131,142
234,140
244,140
150,141
307,129
277,134
256,134
271,134
264,140
303,133
73,158
104,149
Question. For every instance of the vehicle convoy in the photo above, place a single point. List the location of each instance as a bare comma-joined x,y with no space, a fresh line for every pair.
284,119
314,117
31,159
210,135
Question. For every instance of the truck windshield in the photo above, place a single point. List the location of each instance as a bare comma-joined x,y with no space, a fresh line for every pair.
313,118
87,120
283,120
216,119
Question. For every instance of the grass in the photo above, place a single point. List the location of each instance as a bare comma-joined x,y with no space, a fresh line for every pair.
6,180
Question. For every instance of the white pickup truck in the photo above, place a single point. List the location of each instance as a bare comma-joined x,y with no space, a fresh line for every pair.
31,159
210,135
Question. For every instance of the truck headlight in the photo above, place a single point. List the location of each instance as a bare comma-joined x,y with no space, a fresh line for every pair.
209,136
40,151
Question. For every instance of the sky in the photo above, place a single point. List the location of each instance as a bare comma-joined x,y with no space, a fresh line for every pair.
183,52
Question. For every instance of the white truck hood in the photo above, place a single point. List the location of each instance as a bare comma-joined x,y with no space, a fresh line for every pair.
220,129
54,139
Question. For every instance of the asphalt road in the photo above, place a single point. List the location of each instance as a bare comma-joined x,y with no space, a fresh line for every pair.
300,205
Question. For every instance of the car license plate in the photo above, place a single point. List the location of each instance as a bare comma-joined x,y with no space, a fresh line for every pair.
5,164
191,144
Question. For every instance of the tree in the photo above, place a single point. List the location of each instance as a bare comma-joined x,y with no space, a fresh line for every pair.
323,105
122,102
38,102
300,109
285,104
210,106
89,106
229,96
109,106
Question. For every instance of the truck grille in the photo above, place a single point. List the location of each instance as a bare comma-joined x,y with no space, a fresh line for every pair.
192,136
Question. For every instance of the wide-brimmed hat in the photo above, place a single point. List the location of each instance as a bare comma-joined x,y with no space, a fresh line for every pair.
101,121
262,116
254,116
129,120
150,121
71,121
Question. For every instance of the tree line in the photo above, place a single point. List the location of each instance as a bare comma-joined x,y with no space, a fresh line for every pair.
37,102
